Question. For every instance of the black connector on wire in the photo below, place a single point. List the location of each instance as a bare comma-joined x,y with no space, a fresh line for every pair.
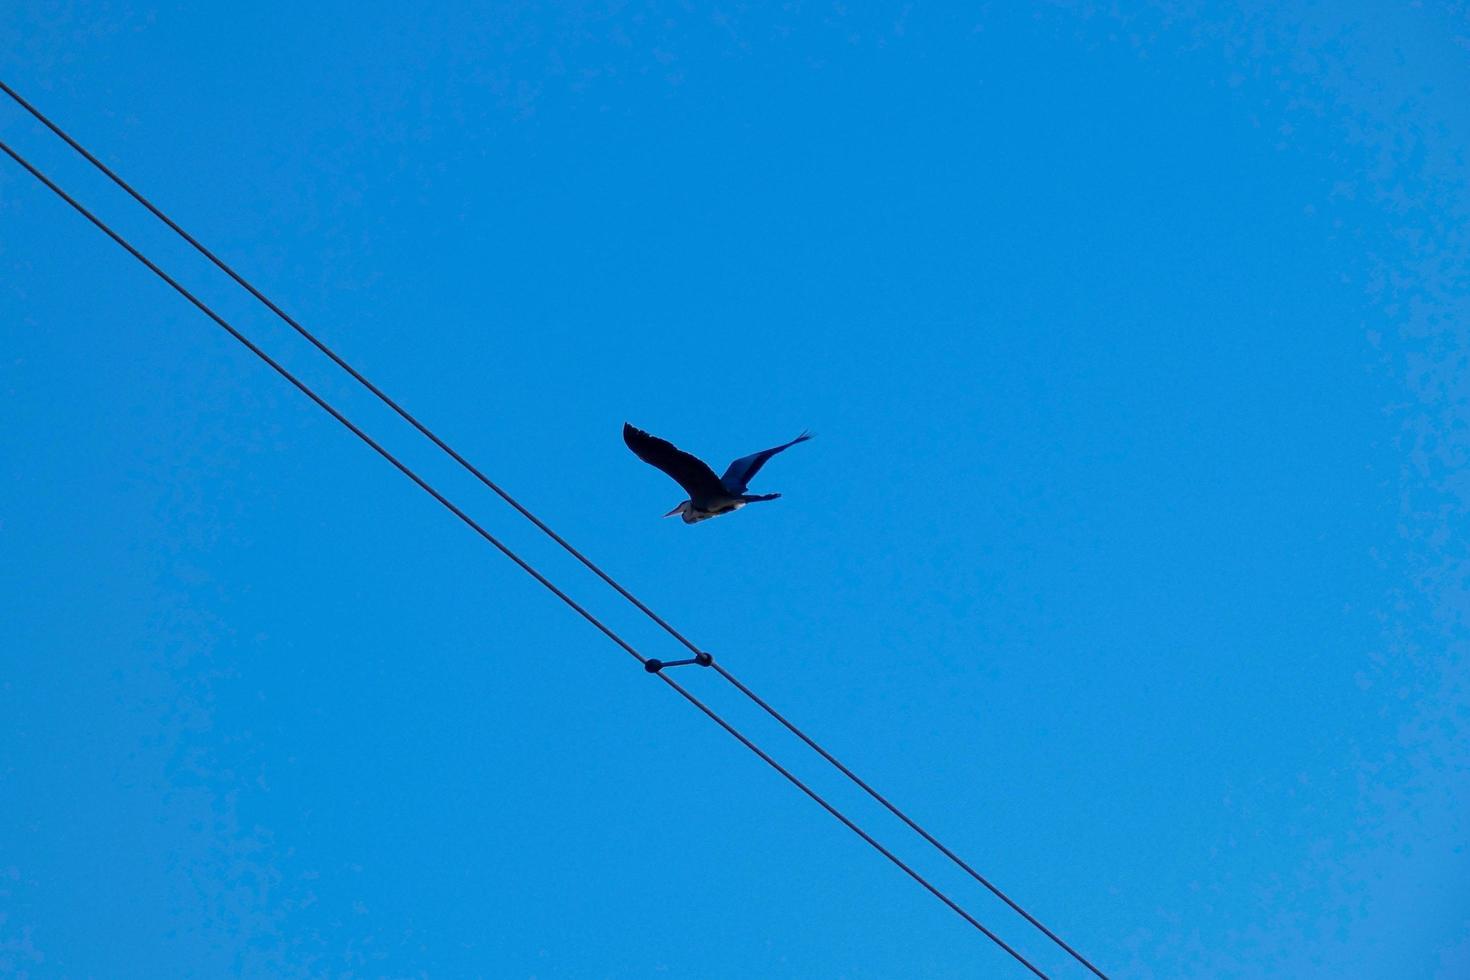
653,666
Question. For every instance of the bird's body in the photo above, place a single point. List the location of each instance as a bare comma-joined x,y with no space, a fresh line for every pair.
712,508
709,495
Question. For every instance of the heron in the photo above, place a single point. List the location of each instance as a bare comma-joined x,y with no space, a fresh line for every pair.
709,495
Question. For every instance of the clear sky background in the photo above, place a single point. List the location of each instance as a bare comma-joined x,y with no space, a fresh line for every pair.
1130,556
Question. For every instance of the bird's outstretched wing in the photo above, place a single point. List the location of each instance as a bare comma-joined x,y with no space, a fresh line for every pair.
744,469
690,472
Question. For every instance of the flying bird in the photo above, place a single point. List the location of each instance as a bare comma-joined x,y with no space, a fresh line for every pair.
709,495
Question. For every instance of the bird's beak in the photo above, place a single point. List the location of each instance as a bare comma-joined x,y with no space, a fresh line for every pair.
677,510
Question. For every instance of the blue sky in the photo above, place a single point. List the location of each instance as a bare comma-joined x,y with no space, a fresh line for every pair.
1130,556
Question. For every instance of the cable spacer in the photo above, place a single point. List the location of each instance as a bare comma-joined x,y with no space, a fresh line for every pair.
654,666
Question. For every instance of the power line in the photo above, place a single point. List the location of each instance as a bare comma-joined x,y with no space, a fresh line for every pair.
505,550
541,525
535,520
904,817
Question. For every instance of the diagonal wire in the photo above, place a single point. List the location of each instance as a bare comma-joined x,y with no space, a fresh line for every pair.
846,822
541,525
902,816
505,550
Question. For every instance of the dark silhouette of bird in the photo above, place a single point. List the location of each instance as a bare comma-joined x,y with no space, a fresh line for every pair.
709,495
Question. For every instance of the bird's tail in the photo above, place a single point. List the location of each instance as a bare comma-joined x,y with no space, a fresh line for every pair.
751,498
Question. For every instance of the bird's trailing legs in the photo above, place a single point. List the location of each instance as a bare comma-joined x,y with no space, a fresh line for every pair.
654,666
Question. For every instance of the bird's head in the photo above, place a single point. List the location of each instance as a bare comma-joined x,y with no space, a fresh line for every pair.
682,508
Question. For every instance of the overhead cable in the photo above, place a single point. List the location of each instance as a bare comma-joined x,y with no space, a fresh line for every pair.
535,520
525,512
